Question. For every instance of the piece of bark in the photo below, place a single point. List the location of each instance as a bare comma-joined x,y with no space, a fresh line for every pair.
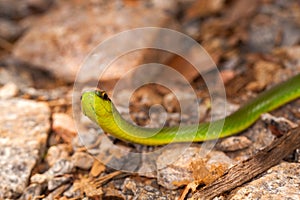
250,168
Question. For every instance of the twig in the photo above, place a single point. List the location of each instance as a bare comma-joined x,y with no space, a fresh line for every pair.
248,169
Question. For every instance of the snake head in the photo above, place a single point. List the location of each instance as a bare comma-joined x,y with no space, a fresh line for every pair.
96,105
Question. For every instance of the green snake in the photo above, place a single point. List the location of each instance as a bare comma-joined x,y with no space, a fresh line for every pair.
97,106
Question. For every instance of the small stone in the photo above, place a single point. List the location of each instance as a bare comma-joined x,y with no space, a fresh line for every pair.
57,192
61,167
9,30
279,182
112,193
17,73
189,165
24,127
39,178
278,125
146,190
171,103
221,108
73,193
148,165
8,91
233,143
63,125
33,191
82,160
57,182
265,73
57,152
97,168
39,5
117,157
129,186
14,9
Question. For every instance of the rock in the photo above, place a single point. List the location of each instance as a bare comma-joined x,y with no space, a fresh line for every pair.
97,168
190,166
171,103
57,192
24,127
279,126
279,182
57,182
112,193
204,8
268,23
265,73
55,178
14,9
88,134
73,193
61,167
57,152
63,125
39,178
221,108
82,160
86,24
145,190
260,136
32,191
233,143
12,72
116,157
148,164
10,30
8,91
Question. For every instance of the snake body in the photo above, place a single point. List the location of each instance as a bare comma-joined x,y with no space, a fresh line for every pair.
99,108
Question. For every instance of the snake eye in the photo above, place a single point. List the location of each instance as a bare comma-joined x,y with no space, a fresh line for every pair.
104,96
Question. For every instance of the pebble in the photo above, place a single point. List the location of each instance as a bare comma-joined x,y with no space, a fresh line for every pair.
9,30
82,160
8,91
14,9
97,168
189,165
57,182
170,103
13,72
145,190
61,167
24,127
280,182
279,126
63,125
32,191
57,152
73,193
57,192
233,143
117,157
54,179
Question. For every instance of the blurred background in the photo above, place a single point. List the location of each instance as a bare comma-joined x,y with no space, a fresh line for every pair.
43,43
